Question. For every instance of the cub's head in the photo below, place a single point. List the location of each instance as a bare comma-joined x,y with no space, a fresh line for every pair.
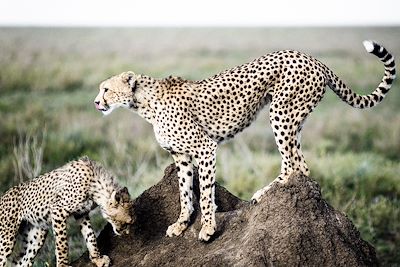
117,211
117,91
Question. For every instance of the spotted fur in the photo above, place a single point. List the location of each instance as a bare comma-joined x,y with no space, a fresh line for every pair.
72,190
191,117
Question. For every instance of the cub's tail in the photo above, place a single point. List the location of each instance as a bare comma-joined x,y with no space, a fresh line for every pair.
366,101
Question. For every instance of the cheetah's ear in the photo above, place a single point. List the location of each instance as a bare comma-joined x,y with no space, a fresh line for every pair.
129,77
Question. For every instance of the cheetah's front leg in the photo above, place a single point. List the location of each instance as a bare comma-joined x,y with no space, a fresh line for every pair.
90,238
59,223
206,162
184,165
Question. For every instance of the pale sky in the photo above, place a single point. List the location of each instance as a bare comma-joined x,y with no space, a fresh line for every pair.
199,13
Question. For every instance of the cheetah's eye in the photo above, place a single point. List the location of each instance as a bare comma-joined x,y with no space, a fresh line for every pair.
105,90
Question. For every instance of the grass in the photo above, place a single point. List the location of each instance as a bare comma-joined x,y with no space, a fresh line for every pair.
49,78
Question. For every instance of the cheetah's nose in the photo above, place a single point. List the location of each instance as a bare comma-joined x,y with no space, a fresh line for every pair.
96,103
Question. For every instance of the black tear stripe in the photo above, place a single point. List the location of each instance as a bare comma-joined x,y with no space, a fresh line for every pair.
105,101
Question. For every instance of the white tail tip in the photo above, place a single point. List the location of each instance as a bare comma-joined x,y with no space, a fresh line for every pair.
369,46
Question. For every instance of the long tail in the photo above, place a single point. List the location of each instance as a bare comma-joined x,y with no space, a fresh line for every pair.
366,101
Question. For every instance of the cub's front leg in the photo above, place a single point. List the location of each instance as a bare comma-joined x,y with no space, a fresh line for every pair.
184,165
91,243
59,223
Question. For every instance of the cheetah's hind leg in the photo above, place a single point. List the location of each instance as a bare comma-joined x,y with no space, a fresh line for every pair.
7,244
33,240
282,124
287,131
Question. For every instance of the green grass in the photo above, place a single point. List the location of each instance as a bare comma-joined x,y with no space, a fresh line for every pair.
49,78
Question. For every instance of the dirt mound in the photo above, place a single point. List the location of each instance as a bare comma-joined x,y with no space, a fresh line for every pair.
291,226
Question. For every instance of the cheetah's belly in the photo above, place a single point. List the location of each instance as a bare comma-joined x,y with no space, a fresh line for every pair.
39,217
224,121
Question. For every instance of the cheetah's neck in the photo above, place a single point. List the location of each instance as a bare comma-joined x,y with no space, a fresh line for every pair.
146,98
103,185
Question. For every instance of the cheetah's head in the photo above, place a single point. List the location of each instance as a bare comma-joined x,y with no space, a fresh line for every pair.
118,91
117,211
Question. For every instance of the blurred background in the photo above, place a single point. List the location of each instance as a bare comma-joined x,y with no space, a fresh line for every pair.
54,54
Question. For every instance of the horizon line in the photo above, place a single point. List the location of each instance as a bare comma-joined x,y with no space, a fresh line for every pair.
31,25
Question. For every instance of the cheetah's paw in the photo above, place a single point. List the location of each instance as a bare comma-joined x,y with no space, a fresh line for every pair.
176,229
256,198
206,232
102,261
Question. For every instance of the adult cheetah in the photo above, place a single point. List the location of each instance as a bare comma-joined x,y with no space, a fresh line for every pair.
191,117
72,190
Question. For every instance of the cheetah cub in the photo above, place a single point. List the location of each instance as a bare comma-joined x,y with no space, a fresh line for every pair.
190,118
72,190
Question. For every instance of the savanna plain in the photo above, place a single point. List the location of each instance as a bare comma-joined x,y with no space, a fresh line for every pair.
50,76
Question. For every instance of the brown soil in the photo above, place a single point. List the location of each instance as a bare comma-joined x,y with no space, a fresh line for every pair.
291,226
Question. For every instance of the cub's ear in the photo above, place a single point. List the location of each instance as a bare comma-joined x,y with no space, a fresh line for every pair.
125,195
121,196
